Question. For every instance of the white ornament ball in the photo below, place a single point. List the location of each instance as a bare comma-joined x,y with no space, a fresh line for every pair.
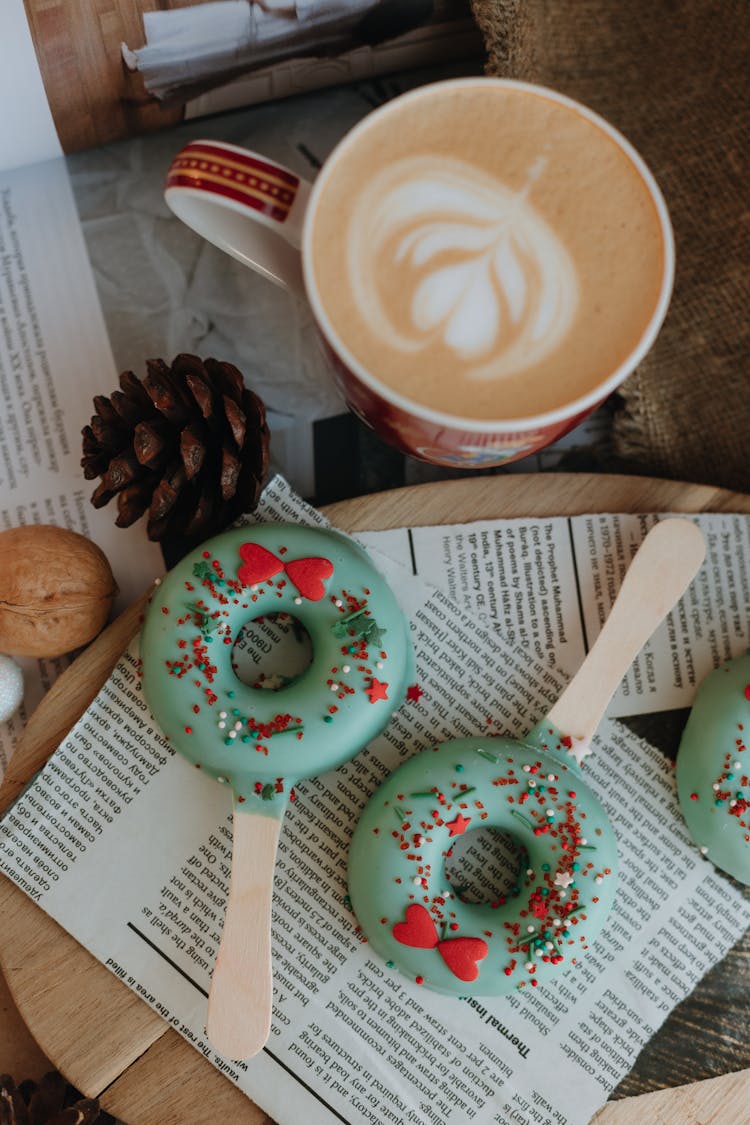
11,688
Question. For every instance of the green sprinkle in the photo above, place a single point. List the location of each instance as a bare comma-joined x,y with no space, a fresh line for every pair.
521,817
464,792
459,769
431,793
545,867
228,741
486,754
231,696
576,867
245,738
328,718
390,965
718,801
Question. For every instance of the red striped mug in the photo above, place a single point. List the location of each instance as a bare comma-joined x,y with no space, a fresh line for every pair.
474,300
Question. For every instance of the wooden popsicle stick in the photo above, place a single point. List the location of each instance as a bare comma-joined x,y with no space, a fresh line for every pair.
241,993
661,571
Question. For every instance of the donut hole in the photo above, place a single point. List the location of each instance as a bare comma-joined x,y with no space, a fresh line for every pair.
272,651
486,865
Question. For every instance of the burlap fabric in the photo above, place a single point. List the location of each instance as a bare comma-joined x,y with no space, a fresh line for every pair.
674,77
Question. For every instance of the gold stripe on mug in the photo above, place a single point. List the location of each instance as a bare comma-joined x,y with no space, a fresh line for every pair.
276,201
198,160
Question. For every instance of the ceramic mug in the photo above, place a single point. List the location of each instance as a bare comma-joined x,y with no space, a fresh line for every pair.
533,263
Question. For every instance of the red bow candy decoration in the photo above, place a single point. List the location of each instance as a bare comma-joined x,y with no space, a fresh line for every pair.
307,575
460,954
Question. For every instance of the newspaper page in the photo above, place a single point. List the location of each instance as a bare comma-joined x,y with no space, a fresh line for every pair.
548,584
54,357
352,1040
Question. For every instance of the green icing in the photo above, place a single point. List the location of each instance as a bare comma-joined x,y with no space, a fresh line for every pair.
259,741
547,921
713,768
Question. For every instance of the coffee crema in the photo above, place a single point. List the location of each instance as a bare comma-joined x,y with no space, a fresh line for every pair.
486,251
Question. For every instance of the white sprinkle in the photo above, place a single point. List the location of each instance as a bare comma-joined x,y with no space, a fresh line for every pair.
298,601
346,668
732,804
529,929
530,966
549,812
529,871
550,944
716,787
556,922
704,851
563,894
334,687
551,777
598,880
338,603
157,582
532,785
222,725
738,765
233,734
222,714
527,769
417,881
221,780
379,664
238,725
583,841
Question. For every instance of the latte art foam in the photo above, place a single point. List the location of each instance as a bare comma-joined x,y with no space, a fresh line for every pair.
482,272
486,251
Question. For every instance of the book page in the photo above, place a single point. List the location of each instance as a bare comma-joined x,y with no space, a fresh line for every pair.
351,1039
549,584
54,357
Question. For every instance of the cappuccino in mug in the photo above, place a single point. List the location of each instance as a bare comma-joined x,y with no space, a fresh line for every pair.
485,250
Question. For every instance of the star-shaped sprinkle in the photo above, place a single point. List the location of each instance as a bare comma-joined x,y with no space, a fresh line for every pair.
458,826
273,682
377,691
579,748
414,693
374,634
563,879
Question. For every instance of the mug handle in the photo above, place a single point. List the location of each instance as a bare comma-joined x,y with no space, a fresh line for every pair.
251,207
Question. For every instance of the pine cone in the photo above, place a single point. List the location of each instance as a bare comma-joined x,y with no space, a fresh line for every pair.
188,444
52,1101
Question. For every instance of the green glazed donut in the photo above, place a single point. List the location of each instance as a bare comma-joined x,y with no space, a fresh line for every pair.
405,905
713,768
257,740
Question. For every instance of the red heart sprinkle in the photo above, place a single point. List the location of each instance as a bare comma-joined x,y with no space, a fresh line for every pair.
308,576
259,564
418,930
461,956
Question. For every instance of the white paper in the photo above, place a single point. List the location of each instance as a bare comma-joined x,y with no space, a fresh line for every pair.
549,584
350,1039
27,131
54,357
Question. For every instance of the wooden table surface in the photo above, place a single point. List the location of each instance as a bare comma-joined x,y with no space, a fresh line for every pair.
111,1045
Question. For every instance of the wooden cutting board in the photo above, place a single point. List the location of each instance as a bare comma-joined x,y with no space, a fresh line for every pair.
104,1039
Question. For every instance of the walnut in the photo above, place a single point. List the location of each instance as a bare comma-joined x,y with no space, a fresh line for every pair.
56,590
